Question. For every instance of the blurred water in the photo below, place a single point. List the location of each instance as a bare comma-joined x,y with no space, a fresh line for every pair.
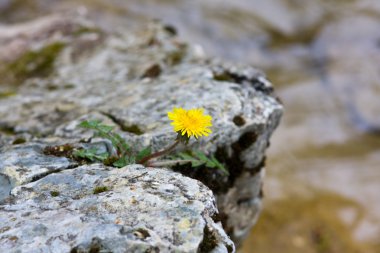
324,60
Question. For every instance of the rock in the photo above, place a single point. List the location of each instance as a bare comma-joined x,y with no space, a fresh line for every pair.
92,207
25,163
99,75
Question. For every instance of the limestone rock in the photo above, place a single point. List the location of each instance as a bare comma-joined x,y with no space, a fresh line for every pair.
92,207
108,76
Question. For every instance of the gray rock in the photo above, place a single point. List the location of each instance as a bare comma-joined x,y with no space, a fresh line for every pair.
25,163
108,76
134,209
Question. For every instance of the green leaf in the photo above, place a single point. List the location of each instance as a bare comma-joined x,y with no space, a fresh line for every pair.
120,163
121,144
198,158
219,165
102,156
186,156
195,163
124,161
104,128
193,160
143,153
89,124
201,156
90,154
105,131
96,125
131,159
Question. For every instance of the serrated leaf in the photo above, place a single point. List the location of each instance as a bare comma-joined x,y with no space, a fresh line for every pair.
101,156
196,163
132,160
104,128
201,156
122,144
124,161
89,154
185,156
219,165
198,158
88,124
120,163
143,153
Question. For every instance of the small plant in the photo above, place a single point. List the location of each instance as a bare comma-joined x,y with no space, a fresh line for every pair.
187,124
91,154
124,153
198,158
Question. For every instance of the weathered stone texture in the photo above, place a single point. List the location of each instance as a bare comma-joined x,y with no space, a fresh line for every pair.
129,79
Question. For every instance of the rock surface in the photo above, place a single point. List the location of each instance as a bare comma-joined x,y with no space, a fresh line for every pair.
95,208
67,71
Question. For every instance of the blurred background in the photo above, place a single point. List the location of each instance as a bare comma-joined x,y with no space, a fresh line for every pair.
322,191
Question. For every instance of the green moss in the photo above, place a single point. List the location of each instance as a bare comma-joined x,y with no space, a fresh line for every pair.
223,77
38,63
83,30
8,130
65,150
54,193
132,129
7,94
100,189
19,140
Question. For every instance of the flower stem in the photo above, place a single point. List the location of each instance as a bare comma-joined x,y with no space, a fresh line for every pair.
168,163
159,153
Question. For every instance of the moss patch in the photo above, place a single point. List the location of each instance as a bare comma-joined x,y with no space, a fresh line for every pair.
132,129
84,30
54,193
7,94
18,140
38,63
7,130
100,189
65,150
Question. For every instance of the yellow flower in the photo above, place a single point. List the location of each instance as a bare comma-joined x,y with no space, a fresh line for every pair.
191,122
